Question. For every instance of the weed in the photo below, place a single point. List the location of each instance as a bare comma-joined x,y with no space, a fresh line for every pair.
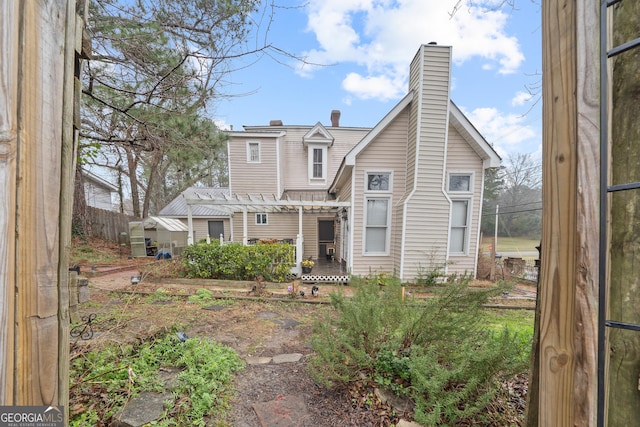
117,373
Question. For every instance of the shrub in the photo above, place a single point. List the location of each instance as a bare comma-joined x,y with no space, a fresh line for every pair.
437,351
235,261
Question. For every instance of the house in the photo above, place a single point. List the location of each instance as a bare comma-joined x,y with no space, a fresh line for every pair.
402,197
98,191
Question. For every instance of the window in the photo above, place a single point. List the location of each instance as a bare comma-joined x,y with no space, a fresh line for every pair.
459,182
376,226
261,219
253,152
378,181
459,226
317,163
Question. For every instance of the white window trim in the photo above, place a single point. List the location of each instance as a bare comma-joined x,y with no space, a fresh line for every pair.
266,218
471,176
249,143
387,245
325,159
467,234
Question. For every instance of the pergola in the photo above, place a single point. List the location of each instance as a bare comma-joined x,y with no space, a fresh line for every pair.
301,202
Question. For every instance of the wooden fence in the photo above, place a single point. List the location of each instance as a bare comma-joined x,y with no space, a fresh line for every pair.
108,225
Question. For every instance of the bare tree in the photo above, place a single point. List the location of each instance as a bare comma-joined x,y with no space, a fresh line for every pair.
155,69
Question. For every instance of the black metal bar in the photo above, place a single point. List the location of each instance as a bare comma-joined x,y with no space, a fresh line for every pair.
623,47
602,253
623,187
612,2
622,325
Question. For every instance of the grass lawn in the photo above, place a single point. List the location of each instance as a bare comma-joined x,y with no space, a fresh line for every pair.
511,244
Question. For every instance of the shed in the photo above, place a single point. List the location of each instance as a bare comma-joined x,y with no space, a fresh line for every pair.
157,235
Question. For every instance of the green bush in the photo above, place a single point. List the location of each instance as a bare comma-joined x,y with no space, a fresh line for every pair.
438,351
235,261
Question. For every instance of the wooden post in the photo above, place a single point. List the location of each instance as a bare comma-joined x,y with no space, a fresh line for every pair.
566,355
37,152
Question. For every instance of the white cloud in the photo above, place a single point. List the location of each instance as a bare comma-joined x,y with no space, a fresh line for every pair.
379,35
506,132
521,98
377,87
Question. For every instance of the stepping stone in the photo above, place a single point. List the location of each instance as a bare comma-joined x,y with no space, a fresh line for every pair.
142,409
284,411
287,323
287,358
267,315
258,360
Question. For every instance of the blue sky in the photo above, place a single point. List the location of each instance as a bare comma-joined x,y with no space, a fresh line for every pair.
364,48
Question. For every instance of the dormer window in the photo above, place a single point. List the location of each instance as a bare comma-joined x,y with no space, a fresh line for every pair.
317,164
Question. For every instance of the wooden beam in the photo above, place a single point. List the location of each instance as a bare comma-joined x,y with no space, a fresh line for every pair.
9,38
564,373
557,299
36,133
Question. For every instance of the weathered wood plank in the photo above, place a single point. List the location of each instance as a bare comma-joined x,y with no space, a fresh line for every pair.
37,205
9,37
557,285
587,214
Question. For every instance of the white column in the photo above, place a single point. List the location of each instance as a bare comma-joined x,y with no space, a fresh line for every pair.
245,238
189,225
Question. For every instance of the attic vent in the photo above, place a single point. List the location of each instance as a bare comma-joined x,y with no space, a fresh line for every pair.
275,123
433,43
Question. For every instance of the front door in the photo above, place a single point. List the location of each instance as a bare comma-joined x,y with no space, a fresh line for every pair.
325,238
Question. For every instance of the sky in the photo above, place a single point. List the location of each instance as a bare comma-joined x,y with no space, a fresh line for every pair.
357,55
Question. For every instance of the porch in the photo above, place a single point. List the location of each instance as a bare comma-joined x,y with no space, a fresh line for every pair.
327,271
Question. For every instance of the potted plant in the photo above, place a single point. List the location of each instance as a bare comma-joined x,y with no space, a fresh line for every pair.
307,265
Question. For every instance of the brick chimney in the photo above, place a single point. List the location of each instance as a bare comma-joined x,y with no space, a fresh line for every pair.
275,123
335,118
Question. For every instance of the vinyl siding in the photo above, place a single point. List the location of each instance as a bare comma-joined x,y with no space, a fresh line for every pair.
296,166
461,158
201,227
254,178
283,226
427,208
386,153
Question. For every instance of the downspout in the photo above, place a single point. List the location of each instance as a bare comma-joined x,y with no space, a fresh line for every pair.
444,183
245,239
351,219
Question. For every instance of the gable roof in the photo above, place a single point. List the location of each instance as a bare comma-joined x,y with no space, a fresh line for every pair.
318,135
350,159
470,134
98,181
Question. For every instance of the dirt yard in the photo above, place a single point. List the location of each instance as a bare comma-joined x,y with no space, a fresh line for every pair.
258,325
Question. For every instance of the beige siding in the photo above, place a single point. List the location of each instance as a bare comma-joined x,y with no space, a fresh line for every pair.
279,226
386,153
201,228
283,226
461,158
427,208
295,168
245,177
